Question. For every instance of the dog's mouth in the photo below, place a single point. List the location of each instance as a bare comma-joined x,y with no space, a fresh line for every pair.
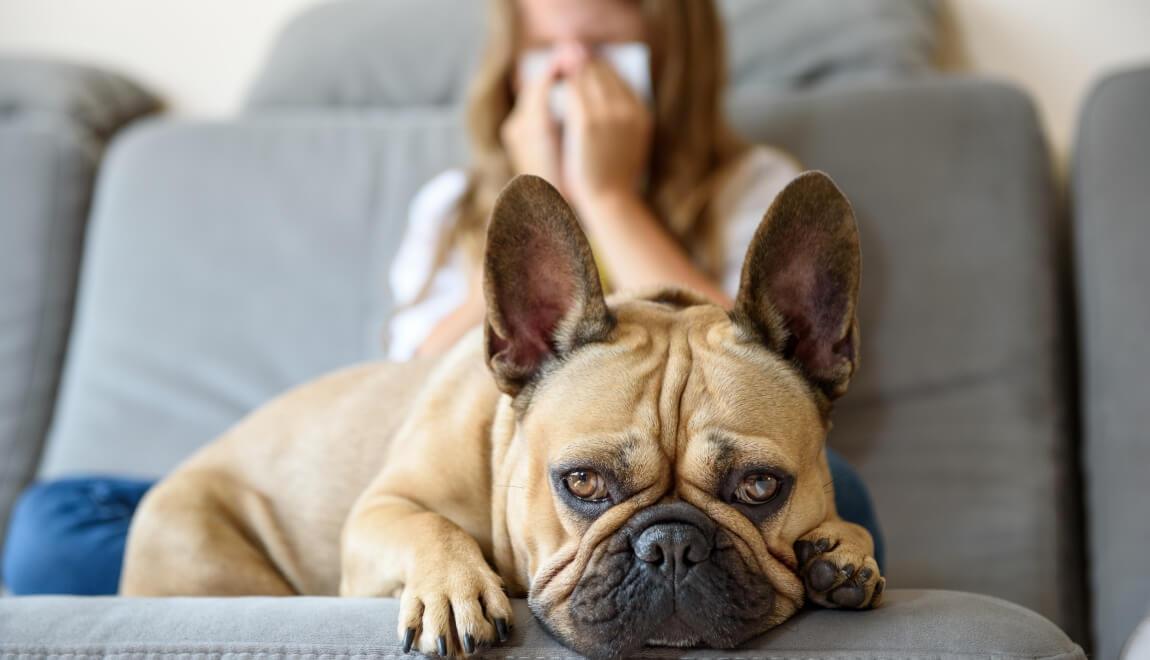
625,600
675,631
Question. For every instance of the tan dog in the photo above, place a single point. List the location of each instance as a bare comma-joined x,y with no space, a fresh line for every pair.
650,471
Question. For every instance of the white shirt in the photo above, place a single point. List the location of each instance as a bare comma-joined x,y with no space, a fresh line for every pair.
739,205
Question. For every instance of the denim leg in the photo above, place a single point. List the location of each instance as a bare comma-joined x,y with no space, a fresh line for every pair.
67,536
853,502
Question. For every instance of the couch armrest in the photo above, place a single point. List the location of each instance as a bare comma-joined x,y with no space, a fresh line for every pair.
46,170
54,117
912,624
98,101
1111,203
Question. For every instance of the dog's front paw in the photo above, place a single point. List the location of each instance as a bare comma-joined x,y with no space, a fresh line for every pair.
453,609
838,573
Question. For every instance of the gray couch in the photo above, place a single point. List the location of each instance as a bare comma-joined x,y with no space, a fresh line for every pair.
227,261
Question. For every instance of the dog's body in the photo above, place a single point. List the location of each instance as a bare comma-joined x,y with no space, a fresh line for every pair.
649,471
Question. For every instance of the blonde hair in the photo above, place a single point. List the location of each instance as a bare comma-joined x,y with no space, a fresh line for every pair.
692,149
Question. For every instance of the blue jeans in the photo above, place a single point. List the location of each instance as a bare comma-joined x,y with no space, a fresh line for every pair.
67,536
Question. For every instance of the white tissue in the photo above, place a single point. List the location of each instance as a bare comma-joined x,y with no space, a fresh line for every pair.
632,61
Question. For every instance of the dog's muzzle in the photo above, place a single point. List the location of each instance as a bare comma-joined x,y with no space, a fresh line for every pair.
667,578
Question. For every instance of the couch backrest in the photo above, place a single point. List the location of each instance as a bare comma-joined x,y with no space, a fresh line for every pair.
227,262
399,53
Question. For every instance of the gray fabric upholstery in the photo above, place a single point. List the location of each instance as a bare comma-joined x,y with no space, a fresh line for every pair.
1111,201
53,119
421,52
912,624
228,262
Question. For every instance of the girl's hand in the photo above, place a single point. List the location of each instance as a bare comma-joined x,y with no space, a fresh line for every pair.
607,136
529,134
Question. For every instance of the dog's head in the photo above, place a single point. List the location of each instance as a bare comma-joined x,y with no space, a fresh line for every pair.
667,453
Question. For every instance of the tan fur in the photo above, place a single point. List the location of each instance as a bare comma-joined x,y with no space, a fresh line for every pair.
423,480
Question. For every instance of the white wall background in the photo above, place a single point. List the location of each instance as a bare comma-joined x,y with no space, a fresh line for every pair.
201,54
1053,48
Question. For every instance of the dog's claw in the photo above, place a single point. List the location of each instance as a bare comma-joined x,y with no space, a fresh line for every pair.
502,630
451,610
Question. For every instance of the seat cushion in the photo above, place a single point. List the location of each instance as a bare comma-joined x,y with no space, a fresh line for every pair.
916,625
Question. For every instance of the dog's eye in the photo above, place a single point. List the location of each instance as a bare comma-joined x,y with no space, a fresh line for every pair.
587,485
757,488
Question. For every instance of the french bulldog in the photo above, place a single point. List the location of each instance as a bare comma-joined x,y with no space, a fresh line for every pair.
648,469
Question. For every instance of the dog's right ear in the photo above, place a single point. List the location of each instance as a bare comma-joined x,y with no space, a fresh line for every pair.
543,292
800,282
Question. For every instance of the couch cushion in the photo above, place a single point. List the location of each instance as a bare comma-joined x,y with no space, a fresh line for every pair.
228,262
910,625
421,52
1112,227
958,416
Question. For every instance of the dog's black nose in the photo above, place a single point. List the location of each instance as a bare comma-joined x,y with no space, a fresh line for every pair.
672,545
672,536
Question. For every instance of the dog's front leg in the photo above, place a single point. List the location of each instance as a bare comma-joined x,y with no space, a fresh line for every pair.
451,601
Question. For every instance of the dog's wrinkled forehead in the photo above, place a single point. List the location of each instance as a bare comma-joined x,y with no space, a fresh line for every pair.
675,372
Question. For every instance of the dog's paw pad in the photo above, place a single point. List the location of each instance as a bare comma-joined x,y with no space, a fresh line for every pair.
454,615
838,577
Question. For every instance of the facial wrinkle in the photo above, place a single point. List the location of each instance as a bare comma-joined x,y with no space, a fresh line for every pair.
675,381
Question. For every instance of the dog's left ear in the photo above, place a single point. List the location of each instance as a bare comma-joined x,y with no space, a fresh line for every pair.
542,287
800,282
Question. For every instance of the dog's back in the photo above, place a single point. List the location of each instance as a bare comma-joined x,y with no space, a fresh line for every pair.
276,486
